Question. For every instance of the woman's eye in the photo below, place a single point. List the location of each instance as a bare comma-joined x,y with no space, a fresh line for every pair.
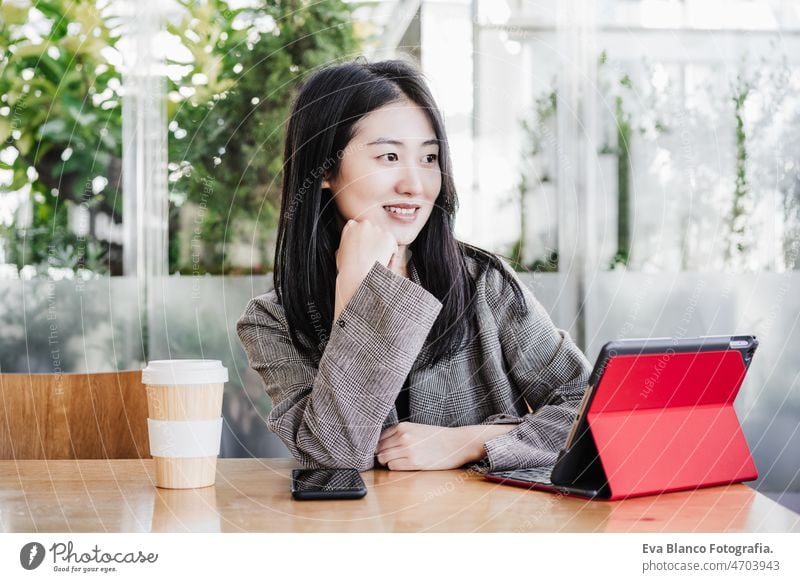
392,157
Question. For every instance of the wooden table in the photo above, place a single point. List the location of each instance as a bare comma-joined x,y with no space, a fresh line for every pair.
252,495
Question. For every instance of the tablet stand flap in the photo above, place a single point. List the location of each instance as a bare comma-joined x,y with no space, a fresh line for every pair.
580,467
647,451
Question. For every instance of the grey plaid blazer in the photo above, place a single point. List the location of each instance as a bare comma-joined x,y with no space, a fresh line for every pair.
331,414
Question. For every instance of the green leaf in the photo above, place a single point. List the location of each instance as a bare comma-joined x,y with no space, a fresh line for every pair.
28,49
5,129
24,143
13,13
20,180
41,151
55,11
51,69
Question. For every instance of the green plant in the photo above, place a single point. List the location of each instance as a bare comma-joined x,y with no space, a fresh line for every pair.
60,119
736,219
619,84
229,132
737,244
762,94
536,131
623,123
549,264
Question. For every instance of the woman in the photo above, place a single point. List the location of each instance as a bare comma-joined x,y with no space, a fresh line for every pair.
385,339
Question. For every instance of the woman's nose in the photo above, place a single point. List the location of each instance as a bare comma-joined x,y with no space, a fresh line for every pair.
410,181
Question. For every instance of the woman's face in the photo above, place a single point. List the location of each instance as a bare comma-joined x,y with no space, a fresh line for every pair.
389,172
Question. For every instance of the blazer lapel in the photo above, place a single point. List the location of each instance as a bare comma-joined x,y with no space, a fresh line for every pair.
429,386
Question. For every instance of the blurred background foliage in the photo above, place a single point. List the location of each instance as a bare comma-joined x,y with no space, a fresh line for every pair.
231,73
228,105
61,124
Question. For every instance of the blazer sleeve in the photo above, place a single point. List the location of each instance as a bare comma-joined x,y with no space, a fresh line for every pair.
331,414
551,372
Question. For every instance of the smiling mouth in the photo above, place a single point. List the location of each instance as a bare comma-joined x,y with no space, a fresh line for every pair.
400,211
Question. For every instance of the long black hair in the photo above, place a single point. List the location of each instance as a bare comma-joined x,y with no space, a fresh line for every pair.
321,125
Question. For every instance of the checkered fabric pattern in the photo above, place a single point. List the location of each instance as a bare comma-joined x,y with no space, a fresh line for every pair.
330,412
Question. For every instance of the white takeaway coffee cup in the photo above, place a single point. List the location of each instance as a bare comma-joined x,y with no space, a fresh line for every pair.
184,402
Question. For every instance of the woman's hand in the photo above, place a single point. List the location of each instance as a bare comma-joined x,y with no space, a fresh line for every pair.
361,245
409,446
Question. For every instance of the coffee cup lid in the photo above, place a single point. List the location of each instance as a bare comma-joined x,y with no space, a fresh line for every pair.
166,372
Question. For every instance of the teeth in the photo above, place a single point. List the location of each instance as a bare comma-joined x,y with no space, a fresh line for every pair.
400,210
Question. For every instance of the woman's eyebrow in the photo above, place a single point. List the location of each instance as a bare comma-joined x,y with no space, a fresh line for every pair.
389,141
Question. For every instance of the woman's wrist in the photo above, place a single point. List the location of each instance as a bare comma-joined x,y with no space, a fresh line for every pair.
344,292
475,436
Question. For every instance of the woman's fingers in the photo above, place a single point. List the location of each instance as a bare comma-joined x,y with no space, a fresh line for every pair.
391,442
400,464
387,433
393,454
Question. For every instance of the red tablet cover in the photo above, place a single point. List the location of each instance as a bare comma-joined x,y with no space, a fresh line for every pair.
663,422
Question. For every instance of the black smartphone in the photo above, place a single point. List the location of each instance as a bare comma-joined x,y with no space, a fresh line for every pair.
327,484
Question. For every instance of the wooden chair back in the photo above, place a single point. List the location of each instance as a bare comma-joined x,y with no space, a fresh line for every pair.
73,416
